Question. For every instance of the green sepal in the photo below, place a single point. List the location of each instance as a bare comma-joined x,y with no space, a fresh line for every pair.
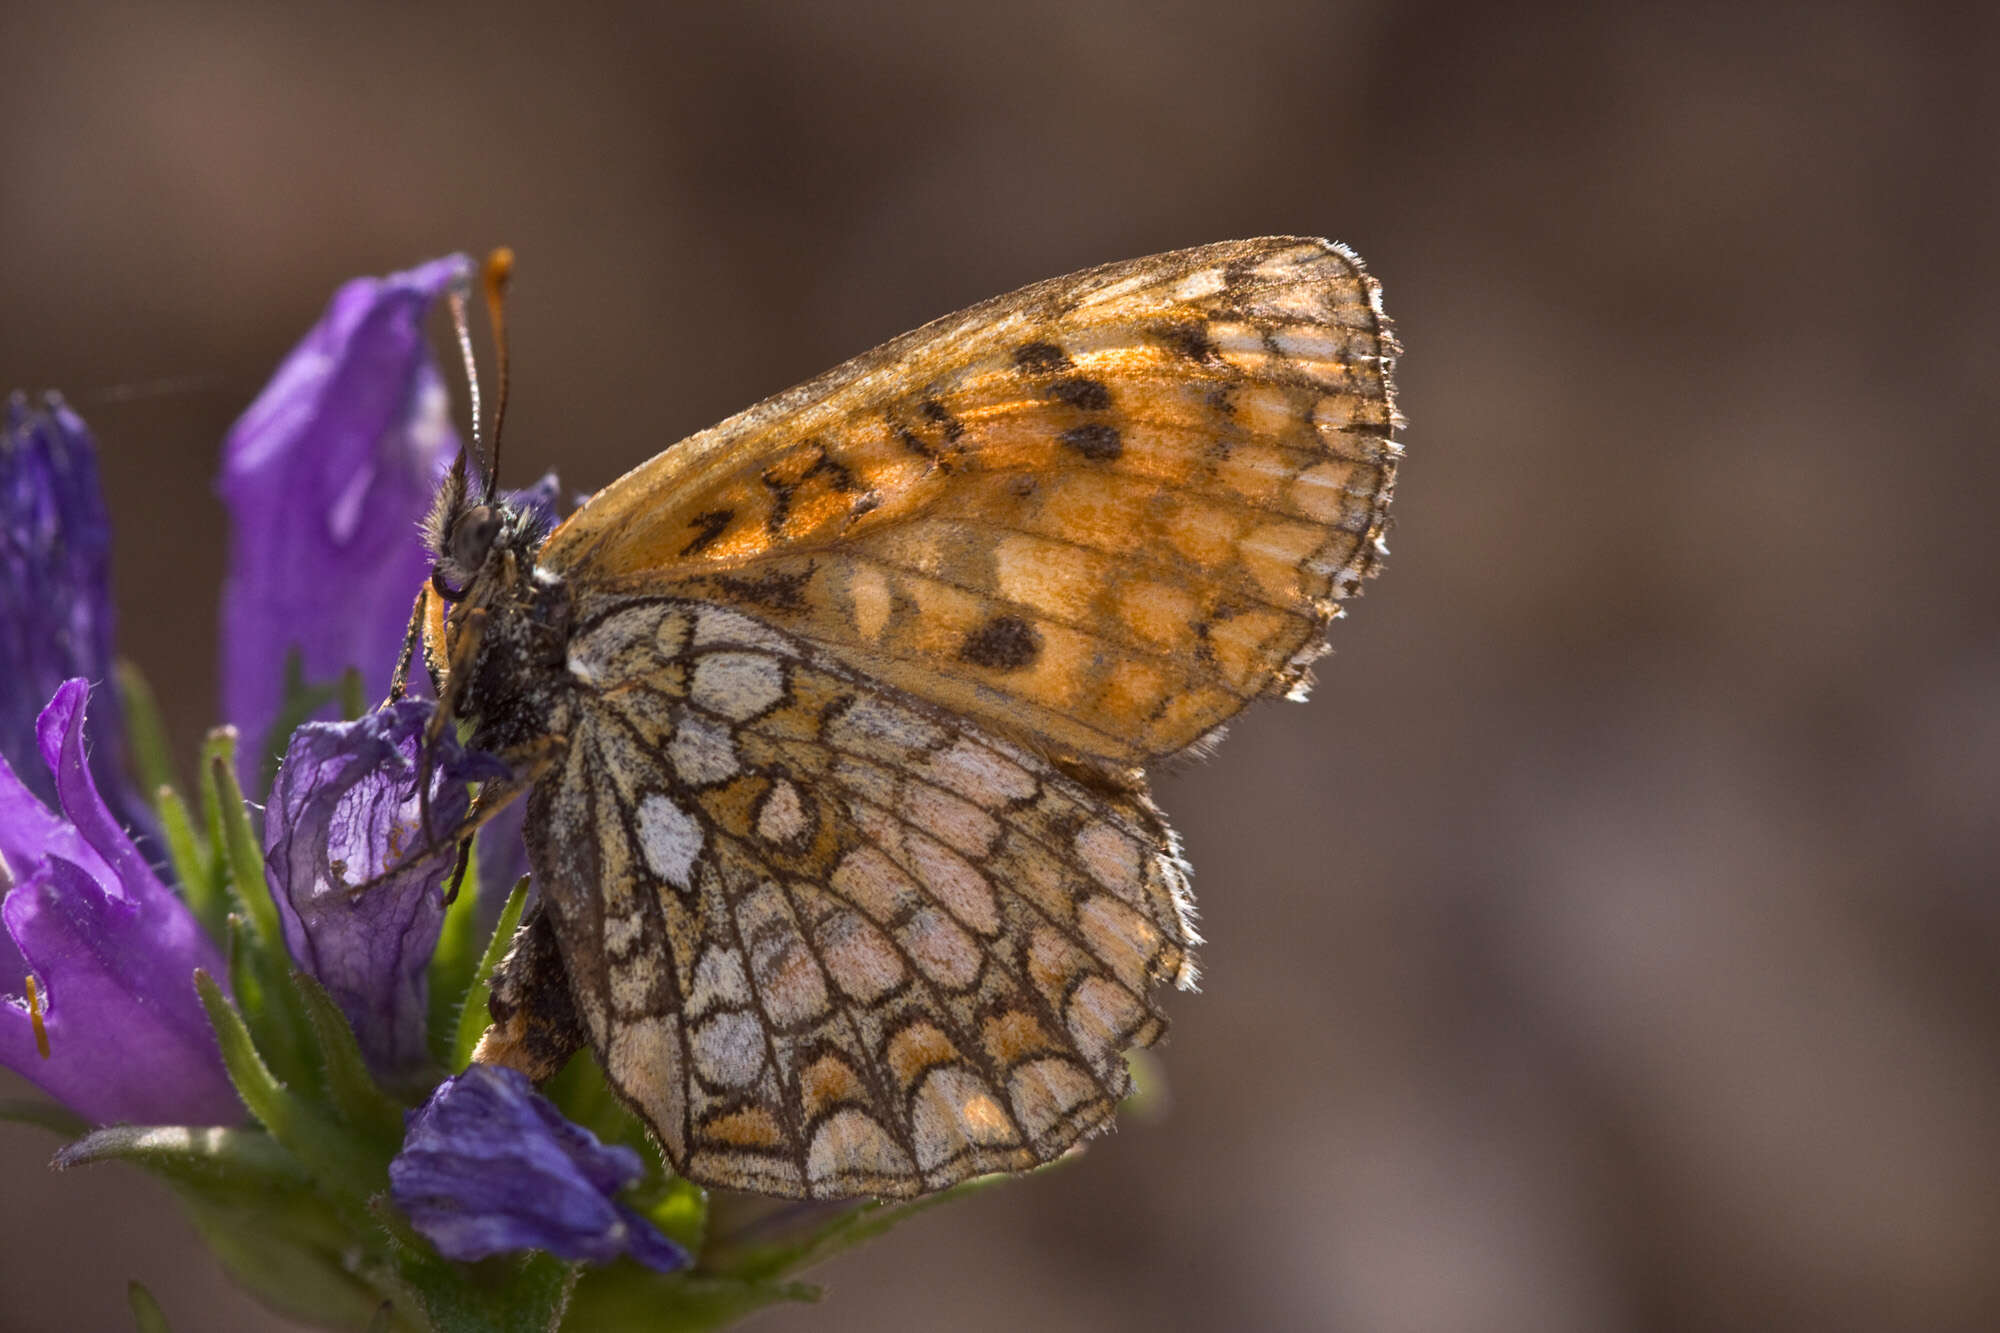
270,1005
455,962
145,734
241,852
358,1100
218,746
260,965
147,1316
297,702
344,1167
195,867
471,1017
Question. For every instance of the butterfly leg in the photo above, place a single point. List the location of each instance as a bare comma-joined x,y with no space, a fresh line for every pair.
399,681
464,651
526,762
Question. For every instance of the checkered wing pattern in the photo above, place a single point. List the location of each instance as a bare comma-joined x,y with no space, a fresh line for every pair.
829,938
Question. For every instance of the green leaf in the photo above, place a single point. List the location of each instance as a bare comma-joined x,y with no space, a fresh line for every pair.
628,1296
525,1293
264,1215
47,1115
472,1015
145,733
297,703
357,1099
584,1097
300,1261
678,1207
202,1157
146,1312
353,696
740,1255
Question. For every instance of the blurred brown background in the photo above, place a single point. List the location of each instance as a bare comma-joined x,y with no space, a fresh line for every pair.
1611,944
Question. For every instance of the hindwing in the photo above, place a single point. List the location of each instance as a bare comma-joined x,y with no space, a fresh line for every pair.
827,938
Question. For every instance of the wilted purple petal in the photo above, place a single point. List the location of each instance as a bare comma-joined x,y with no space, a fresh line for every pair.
344,813
55,594
326,477
113,952
490,1166
503,859
541,499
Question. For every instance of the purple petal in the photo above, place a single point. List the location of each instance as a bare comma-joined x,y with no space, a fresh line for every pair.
344,813
326,477
55,593
113,952
490,1166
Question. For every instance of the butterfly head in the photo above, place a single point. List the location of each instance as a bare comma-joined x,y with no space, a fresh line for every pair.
467,527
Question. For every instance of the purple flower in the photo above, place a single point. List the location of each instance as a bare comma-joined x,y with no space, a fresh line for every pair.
344,813
55,594
112,951
489,1166
326,477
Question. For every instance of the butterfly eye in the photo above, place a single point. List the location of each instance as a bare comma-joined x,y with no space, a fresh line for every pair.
472,536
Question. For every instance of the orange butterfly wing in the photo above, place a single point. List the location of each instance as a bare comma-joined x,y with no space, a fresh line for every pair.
1099,514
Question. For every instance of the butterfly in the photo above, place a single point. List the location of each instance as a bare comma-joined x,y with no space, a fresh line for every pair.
837,715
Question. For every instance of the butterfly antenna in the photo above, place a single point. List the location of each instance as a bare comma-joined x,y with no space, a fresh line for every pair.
499,269
463,328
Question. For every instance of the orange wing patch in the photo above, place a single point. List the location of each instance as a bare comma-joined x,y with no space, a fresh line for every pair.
1098,515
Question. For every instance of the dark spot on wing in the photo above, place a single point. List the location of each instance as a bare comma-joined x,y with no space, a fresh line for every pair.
1190,340
1097,442
838,475
1042,358
707,528
1079,392
912,441
1004,643
777,590
941,416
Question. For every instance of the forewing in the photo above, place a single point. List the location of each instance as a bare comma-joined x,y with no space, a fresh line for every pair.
1099,514
827,939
